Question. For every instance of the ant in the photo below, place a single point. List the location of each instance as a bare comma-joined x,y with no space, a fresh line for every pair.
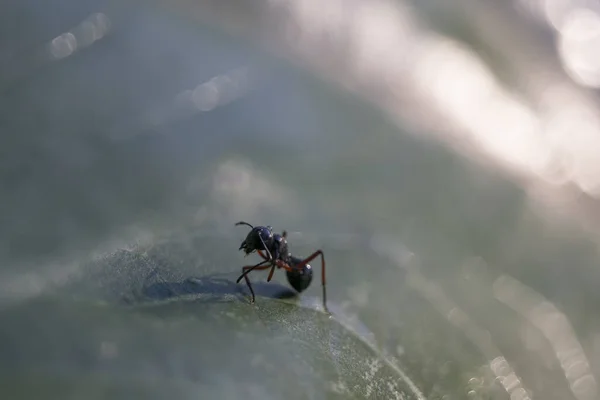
298,271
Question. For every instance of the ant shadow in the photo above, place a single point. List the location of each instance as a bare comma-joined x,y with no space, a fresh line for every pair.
210,289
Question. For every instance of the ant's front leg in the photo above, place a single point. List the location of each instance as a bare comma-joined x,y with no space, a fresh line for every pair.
266,248
246,270
272,266
260,253
276,263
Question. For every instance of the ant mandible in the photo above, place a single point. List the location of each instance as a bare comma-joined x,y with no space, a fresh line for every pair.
298,271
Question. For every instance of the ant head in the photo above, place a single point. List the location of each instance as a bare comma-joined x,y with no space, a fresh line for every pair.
257,238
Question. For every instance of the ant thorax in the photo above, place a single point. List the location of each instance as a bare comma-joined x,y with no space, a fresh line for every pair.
280,244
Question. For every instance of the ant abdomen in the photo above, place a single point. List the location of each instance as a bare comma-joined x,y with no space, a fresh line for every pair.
299,278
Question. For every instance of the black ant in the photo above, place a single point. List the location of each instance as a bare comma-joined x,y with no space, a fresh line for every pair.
298,271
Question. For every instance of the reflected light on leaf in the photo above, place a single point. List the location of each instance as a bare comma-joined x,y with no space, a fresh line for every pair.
578,47
63,45
555,10
574,131
457,81
93,28
465,89
206,96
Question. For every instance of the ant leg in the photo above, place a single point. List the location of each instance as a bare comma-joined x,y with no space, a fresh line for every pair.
246,270
260,253
250,287
323,280
271,272
278,264
269,256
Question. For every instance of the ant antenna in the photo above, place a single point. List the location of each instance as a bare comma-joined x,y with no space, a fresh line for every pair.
244,223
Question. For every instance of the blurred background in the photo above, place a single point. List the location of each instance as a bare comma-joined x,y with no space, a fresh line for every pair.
444,155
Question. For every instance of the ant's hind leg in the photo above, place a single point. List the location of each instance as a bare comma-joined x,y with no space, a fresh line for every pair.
323,275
